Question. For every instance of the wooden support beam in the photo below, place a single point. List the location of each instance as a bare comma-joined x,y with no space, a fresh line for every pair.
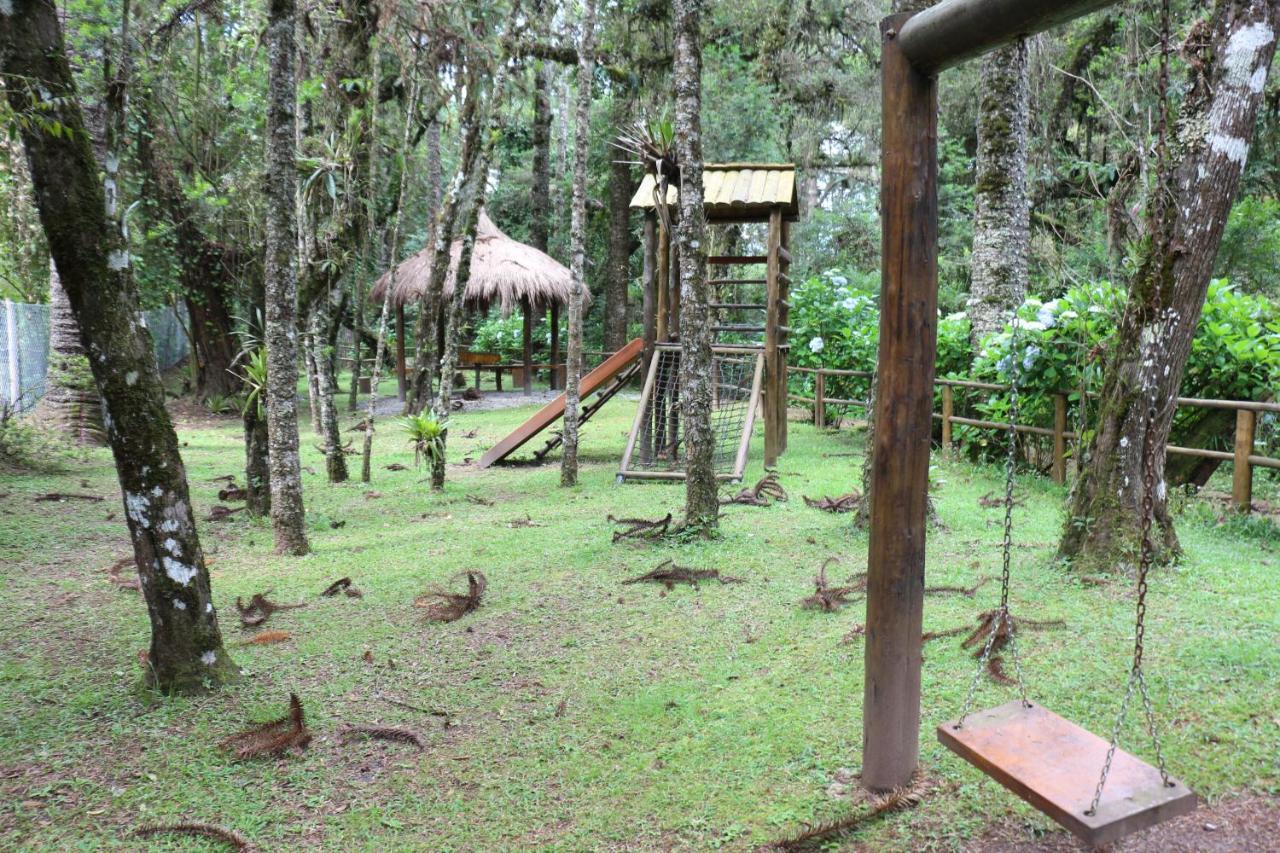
952,31
662,282
775,394
904,410
649,306
555,346
402,382
1060,438
528,350
1242,475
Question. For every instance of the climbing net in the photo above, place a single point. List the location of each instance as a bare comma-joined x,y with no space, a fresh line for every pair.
656,448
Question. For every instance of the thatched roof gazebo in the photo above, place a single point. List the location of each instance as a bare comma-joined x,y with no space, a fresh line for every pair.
504,272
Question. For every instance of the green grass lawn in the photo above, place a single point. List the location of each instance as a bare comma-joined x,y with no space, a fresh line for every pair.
582,714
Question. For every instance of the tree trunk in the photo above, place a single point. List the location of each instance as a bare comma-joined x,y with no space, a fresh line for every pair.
702,502
257,461
472,180
281,334
618,270
540,207
321,354
390,261
1153,339
186,653
1002,213
72,403
578,248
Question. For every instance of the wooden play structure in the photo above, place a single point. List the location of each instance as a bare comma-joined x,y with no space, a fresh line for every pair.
604,382
749,308
1084,782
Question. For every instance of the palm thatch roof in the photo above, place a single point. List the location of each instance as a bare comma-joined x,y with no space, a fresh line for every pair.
503,271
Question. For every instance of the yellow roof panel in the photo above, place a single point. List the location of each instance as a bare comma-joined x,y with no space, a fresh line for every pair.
731,190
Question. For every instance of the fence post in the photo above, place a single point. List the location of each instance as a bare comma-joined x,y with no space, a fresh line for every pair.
11,334
1059,438
1242,477
819,403
948,408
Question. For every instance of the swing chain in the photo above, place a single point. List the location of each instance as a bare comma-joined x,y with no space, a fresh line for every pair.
1002,617
1151,360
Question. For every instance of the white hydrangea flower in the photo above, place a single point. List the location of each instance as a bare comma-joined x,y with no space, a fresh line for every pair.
816,345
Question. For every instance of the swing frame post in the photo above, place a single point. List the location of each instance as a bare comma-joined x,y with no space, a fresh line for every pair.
915,48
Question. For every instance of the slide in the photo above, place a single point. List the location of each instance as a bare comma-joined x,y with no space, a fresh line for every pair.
554,411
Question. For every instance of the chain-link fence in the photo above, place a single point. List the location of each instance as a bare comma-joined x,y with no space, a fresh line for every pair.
24,349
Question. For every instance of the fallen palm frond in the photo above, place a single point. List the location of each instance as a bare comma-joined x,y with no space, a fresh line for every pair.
853,633
640,528
260,608
479,501
273,738
218,512
203,830
523,522
1004,634
232,493
383,733
991,500
58,497
445,606
114,574
817,836
669,574
342,585
830,598
763,493
966,591
266,638
396,466
938,635
842,503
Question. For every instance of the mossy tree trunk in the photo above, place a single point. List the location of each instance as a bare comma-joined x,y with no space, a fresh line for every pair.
281,334
1002,212
186,652
478,144
578,248
702,500
618,268
1153,339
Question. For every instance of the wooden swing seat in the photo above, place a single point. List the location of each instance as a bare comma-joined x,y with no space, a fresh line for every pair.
1053,764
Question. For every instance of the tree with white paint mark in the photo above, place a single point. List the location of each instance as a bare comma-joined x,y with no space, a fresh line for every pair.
1209,145
186,653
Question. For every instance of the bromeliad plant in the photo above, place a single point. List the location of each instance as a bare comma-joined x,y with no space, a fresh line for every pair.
426,435
254,375
653,143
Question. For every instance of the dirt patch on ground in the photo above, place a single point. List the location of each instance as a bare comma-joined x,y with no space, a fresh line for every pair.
1238,824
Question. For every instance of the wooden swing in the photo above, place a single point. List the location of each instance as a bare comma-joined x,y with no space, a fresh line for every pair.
1045,759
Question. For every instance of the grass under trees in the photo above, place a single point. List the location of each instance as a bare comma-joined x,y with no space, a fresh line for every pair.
581,713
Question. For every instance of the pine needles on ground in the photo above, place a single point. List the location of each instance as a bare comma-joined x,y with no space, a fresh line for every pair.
763,493
818,836
842,503
445,606
260,608
669,574
273,738
639,528
829,598
391,733
230,837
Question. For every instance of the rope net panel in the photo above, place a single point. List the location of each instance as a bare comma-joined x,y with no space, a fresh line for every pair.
658,435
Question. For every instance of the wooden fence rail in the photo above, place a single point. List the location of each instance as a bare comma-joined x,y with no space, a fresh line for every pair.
1242,456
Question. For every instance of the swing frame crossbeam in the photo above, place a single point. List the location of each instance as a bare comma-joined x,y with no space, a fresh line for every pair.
1017,743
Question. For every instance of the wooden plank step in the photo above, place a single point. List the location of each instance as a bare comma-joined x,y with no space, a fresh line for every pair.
553,411
1054,764
726,260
